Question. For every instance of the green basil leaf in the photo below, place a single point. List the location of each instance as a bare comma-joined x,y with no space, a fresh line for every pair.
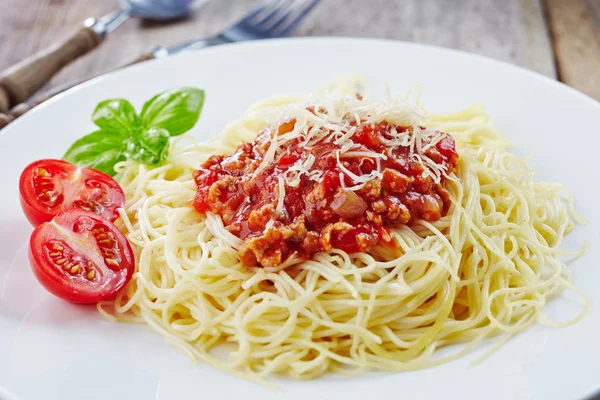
149,147
116,115
176,110
100,150
123,135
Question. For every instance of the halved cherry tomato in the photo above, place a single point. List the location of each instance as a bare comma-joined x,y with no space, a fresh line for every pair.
81,257
49,186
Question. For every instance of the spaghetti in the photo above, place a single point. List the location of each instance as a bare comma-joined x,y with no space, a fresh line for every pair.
485,268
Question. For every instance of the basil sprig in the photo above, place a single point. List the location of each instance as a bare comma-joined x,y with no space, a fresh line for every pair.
123,134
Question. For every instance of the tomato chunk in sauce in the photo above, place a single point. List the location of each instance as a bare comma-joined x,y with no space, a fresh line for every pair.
346,199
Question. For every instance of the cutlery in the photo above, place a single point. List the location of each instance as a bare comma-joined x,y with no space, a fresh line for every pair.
22,80
270,20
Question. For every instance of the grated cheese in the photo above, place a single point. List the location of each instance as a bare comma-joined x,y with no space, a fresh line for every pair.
331,117
279,209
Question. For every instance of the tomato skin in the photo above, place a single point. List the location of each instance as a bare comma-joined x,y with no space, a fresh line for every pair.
72,232
64,185
33,216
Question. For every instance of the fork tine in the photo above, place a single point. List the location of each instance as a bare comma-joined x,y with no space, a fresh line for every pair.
273,18
285,24
257,11
274,7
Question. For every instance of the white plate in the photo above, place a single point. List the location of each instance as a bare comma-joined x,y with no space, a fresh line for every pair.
50,349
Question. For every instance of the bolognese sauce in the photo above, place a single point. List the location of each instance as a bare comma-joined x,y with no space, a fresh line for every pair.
311,192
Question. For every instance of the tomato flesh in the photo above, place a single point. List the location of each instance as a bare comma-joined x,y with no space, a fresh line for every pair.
49,186
81,257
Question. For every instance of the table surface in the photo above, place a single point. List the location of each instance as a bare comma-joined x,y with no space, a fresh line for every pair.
557,38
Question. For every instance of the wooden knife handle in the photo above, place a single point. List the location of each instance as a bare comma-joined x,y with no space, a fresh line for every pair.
143,57
22,80
22,108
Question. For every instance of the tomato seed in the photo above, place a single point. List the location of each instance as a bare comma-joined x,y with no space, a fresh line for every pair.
112,261
91,275
61,261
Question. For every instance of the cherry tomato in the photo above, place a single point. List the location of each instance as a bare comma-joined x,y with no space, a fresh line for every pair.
49,186
81,257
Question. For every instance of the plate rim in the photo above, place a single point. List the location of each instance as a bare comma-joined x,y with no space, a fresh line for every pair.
303,39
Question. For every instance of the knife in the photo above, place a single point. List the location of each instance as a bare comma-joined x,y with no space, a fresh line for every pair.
154,53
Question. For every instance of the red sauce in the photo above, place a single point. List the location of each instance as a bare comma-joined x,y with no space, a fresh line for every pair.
321,215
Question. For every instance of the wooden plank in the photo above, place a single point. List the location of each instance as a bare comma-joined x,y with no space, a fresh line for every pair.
575,27
510,30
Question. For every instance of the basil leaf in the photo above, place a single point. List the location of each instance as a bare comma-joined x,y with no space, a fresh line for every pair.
100,150
116,115
176,110
149,147
123,135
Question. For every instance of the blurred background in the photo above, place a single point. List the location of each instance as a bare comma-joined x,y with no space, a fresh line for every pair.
557,38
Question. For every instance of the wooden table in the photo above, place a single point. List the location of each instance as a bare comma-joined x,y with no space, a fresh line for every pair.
558,38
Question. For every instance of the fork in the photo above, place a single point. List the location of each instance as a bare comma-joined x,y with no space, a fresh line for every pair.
272,19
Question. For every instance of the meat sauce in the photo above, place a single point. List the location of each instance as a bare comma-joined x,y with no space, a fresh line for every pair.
320,214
